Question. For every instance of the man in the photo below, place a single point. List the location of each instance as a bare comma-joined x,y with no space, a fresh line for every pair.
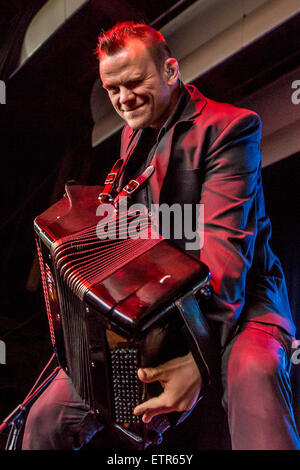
203,152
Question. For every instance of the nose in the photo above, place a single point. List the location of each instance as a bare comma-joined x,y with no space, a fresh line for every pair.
126,95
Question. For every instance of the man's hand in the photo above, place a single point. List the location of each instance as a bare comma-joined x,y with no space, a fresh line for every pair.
181,381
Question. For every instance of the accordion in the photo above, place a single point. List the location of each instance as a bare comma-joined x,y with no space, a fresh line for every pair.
113,305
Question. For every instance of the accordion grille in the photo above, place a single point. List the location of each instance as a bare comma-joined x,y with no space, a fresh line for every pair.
76,341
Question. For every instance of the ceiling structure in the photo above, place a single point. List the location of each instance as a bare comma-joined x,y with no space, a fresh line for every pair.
229,48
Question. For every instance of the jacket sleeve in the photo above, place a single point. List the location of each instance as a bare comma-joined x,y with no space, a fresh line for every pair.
232,168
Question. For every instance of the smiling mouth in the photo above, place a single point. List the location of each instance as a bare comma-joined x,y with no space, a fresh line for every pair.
132,110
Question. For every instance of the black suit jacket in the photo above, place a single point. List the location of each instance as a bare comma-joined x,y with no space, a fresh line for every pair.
211,155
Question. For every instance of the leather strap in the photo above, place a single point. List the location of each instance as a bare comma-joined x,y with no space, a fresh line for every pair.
133,185
199,336
111,181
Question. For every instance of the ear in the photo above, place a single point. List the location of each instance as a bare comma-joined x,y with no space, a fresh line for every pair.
171,70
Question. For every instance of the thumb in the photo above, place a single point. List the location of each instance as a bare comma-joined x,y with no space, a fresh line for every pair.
148,374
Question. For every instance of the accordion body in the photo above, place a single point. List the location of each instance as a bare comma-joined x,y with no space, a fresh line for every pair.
111,309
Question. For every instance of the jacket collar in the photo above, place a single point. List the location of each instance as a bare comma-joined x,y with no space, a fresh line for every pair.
195,103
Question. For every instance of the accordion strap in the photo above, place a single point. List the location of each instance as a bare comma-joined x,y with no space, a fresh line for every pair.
199,336
111,181
133,185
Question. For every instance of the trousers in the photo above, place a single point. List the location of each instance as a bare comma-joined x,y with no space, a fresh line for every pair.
256,396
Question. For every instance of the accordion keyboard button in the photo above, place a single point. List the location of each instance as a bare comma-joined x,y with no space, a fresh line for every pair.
125,384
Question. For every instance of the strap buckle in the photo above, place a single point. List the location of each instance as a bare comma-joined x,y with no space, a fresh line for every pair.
110,179
131,186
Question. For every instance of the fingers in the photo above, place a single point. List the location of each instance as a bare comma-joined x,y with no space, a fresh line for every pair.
162,371
153,407
149,374
181,381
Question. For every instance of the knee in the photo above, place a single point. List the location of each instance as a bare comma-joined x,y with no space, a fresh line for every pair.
255,369
58,426
42,426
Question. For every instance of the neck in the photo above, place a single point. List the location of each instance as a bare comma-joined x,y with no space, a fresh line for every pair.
172,105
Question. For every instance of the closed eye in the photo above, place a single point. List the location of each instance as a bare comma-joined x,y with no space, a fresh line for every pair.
111,88
133,84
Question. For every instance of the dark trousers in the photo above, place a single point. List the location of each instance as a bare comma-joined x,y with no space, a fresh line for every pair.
256,396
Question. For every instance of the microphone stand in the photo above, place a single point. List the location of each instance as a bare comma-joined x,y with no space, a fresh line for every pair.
15,418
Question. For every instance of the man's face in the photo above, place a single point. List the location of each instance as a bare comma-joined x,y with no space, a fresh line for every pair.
139,92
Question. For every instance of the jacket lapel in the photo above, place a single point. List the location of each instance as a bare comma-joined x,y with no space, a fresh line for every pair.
163,153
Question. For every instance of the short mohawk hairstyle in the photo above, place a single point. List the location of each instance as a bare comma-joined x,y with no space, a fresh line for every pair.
113,40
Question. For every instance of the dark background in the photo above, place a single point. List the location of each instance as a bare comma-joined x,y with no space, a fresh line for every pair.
46,140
